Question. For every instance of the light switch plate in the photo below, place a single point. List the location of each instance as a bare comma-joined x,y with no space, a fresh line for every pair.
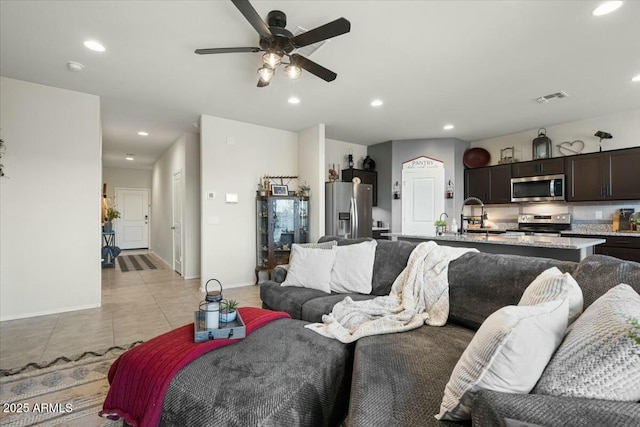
231,198
211,195
598,214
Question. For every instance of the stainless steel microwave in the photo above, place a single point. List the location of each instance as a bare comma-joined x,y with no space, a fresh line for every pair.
546,188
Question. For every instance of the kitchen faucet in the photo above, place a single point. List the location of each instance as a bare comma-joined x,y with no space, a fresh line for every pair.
482,214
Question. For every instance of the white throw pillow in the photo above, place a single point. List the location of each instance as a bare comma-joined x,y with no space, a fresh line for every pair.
551,285
353,269
507,354
598,359
310,268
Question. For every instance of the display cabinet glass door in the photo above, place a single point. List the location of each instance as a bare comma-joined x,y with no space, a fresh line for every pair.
281,222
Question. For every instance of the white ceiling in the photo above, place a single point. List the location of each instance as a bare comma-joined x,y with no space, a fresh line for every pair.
476,64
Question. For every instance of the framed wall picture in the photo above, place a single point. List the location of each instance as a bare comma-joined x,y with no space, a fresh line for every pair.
279,190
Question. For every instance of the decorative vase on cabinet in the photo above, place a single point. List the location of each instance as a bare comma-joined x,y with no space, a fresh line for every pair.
281,221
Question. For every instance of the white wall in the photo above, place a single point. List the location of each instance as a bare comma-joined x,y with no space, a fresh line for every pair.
336,153
50,235
234,155
182,155
625,128
311,160
125,178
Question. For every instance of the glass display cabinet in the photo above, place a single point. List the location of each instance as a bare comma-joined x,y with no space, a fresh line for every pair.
281,221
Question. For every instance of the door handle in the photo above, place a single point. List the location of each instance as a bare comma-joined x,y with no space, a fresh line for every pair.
173,228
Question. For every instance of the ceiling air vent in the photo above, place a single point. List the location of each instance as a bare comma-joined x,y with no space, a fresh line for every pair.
307,50
547,98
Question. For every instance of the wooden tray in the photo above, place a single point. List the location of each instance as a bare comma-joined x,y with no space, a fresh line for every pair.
231,330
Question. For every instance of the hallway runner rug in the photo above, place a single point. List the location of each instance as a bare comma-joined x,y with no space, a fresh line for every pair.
68,391
137,263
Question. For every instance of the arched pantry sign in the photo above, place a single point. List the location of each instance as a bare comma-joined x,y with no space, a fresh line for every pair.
422,195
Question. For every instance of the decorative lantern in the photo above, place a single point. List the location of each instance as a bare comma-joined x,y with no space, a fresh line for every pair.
211,306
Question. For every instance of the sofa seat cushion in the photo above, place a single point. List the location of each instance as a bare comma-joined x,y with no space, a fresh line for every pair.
280,375
481,283
390,259
288,299
399,379
313,310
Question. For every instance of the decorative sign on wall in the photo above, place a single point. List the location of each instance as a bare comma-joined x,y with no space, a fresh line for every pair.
422,162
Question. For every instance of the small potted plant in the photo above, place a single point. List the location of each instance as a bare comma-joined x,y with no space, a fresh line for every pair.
228,310
111,214
304,190
262,191
441,226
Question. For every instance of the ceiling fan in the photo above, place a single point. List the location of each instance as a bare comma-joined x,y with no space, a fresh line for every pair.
277,43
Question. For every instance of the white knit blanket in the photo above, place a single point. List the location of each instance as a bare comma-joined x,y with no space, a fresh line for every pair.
419,295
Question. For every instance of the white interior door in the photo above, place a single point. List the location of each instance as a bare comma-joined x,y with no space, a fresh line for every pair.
132,228
177,222
422,201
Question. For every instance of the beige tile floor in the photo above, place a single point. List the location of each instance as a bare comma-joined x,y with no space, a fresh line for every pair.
136,305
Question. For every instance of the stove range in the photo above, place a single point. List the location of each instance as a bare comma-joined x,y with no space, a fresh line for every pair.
543,224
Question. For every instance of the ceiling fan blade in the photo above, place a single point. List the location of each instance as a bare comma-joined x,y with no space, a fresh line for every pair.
262,83
313,68
326,31
252,16
227,50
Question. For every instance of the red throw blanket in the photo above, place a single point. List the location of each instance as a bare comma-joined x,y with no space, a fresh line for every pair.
140,377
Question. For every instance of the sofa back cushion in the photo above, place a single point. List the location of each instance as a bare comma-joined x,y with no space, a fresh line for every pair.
481,283
596,274
391,258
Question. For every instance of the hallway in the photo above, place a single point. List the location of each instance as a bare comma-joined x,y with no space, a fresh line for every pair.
136,305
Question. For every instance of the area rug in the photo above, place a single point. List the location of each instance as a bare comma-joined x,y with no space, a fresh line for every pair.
68,391
137,263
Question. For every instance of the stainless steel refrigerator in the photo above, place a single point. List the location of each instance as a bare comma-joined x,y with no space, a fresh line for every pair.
348,209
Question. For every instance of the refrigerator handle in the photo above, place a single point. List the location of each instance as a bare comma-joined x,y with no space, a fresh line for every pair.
354,218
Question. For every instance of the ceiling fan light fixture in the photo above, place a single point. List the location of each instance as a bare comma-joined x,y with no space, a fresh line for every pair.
272,59
265,73
293,71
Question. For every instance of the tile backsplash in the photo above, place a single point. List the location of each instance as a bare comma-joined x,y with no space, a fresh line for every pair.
595,216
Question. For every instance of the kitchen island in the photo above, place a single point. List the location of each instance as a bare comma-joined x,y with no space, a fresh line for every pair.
562,248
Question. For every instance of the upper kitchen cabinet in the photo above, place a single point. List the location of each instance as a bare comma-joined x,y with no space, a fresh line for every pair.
491,184
366,177
608,175
538,167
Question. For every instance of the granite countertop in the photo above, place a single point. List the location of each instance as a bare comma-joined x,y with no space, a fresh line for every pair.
507,239
627,233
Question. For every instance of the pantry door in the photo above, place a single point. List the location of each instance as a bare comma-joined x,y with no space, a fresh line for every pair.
422,195
132,228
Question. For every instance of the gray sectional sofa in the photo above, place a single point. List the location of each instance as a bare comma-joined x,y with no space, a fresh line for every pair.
399,379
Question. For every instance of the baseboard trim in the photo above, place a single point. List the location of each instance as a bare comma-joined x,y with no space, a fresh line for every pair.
48,312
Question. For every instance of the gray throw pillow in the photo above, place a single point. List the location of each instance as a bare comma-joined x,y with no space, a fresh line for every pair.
598,359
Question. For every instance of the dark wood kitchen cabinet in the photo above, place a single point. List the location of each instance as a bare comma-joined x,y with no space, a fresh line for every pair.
491,184
553,166
623,247
367,177
607,175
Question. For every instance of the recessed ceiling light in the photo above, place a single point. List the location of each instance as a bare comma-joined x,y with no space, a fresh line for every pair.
294,100
607,7
130,156
143,133
74,66
376,103
94,45
448,127
636,78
